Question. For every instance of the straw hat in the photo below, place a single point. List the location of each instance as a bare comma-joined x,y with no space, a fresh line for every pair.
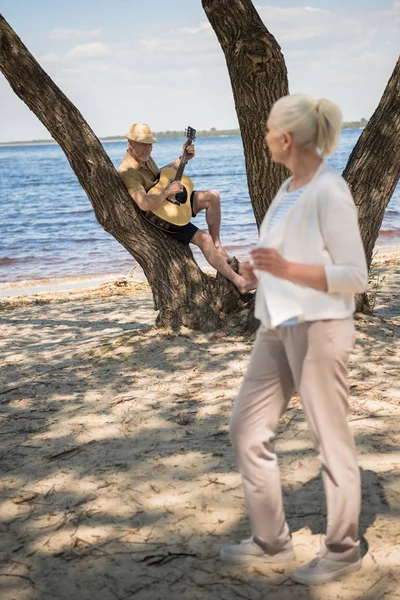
141,132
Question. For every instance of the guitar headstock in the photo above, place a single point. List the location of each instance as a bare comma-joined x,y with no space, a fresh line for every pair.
190,134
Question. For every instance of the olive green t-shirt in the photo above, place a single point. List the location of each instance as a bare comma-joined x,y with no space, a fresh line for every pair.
136,177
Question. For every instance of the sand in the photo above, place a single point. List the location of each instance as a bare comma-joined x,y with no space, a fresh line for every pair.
118,479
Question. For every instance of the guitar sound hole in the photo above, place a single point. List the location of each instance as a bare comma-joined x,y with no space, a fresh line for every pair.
181,197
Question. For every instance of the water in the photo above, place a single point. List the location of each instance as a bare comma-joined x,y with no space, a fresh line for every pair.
48,229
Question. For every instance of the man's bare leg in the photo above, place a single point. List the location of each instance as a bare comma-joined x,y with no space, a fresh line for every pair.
210,201
206,244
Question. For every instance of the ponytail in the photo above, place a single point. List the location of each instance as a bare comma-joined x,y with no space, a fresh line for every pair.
313,123
329,121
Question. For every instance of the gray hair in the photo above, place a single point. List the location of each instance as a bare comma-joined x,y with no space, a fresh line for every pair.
313,123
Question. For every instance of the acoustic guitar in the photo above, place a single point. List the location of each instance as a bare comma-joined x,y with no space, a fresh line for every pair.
176,210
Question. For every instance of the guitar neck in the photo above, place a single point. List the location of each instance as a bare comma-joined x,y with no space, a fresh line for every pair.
182,165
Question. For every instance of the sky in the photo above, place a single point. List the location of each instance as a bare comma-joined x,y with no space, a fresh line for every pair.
159,61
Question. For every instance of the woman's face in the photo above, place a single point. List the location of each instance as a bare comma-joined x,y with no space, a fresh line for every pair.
276,141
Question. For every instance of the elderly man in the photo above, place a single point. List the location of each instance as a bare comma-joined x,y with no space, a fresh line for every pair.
140,173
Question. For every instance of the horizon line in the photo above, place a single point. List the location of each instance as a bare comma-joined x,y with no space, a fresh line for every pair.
170,134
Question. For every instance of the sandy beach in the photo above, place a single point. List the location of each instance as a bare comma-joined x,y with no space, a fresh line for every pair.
118,478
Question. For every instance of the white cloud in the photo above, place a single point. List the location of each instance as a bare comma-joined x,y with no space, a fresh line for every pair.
312,9
340,51
73,34
295,24
291,12
88,51
393,12
160,45
48,59
183,46
204,26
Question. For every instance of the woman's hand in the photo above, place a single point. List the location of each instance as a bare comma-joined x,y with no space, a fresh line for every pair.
269,260
246,271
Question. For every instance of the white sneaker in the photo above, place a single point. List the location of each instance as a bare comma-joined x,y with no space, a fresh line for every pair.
321,570
248,552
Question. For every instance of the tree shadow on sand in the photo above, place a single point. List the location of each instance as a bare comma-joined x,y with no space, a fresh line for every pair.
115,488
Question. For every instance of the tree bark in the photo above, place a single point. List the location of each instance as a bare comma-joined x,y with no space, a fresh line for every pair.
182,293
373,168
259,77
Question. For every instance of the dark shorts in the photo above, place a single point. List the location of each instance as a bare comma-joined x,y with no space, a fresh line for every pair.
186,232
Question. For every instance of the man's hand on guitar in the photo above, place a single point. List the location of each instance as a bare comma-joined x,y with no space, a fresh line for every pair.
173,188
189,148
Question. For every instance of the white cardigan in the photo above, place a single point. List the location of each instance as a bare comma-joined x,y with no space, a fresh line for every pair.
321,229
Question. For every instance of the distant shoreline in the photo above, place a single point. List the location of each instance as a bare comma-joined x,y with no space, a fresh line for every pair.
12,289
171,135
111,139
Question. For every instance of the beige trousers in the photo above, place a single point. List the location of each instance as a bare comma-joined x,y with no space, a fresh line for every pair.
312,358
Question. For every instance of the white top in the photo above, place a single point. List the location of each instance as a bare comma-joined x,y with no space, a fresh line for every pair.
321,228
286,203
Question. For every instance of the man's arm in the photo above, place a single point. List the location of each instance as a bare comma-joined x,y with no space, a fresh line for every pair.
191,153
173,165
139,195
154,201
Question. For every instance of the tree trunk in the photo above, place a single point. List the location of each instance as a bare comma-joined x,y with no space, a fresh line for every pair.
373,168
182,293
259,77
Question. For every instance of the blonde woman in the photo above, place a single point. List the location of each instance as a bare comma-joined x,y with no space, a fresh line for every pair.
309,263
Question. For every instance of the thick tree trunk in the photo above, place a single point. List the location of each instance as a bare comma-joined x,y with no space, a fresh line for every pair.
259,77
182,293
373,168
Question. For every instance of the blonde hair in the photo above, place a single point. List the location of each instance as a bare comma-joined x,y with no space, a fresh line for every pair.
313,123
